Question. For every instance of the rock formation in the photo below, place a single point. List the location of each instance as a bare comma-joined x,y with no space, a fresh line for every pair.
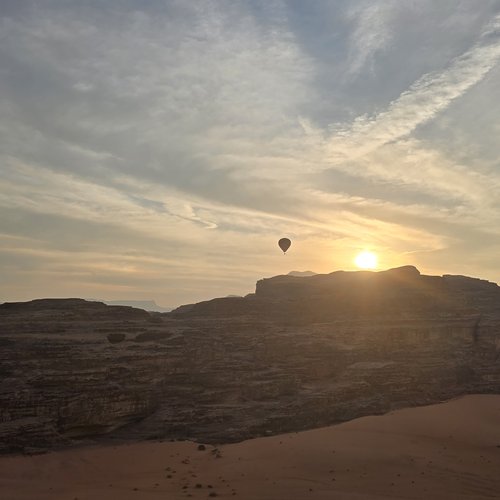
299,353
400,292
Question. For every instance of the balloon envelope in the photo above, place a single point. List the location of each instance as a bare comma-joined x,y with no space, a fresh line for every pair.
284,244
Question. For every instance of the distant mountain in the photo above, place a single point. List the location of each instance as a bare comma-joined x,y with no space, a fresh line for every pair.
147,305
302,273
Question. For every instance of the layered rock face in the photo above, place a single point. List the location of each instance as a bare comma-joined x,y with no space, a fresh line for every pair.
299,353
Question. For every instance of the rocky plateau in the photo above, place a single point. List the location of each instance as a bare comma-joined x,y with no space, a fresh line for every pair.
301,352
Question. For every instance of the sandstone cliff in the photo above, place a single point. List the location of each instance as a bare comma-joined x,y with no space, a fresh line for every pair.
300,352
401,292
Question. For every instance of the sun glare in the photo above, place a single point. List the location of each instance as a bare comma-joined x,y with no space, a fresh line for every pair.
366,260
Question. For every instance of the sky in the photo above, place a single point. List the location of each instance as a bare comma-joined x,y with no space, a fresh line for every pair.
159,149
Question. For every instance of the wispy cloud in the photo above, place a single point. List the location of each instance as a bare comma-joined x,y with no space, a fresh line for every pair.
428,96
371,35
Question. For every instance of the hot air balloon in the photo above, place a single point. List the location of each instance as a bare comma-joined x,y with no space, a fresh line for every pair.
284,244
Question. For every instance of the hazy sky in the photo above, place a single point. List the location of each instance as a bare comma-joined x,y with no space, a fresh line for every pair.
158,149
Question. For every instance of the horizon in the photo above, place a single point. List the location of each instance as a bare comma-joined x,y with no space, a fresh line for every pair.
159,151
113,301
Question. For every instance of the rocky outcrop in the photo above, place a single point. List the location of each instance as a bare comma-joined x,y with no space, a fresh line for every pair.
339,346
59,309
401,292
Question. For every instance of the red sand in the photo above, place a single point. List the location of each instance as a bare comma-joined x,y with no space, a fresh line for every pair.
445,451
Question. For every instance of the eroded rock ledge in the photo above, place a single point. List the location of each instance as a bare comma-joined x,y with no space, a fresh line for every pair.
299,353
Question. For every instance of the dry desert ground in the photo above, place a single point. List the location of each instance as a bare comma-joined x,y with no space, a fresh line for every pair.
444,451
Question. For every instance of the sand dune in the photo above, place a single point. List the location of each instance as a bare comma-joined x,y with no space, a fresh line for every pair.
445,451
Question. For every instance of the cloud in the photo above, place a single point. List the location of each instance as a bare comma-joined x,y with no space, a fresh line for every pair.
380,149
371,35
429,95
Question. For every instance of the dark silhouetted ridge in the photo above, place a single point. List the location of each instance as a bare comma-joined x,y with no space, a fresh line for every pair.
78,308
396,292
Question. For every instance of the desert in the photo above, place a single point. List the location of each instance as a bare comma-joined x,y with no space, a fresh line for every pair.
249,249
359,385
443,451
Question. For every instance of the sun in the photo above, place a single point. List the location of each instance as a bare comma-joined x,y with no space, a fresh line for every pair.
366,260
